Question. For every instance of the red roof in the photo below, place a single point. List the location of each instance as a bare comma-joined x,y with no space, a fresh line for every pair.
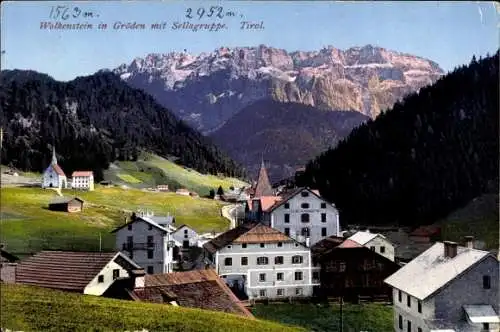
58,169
82,173
426,231
265,201
349,244
202,289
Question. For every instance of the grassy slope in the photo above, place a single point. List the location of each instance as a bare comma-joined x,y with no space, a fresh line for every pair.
478,218
36,309
151,170
367,317
28,226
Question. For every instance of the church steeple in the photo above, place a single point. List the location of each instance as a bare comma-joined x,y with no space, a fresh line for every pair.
263,187
54,158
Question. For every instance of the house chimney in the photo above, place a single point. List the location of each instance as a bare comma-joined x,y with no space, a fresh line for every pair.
450,249
469,242
139,278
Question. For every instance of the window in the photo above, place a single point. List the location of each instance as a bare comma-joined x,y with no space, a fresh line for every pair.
323,205
262,260
382,249
228,247
150,241
298,275
304,194
408,326
150,254
287,231
304,205
244,260
228,261
372,248
280,244
486,282
315,275
287,218
278,260
419,307
400,295
287,205
280,292
262,245
100,278
419,329
400,322
279,276
116,274
323,217
304,217
297,260
129,227
185,231
298,291
262,277
244,245
486,326
262,293
408,301
323,231
305,232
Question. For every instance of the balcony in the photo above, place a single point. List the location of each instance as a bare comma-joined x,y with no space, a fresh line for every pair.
127,246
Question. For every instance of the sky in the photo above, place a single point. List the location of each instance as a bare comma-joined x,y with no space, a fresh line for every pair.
448,33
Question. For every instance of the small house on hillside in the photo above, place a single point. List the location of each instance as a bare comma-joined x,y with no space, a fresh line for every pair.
185,236
66,204
376,242
83,180
162,187
82,272
182,191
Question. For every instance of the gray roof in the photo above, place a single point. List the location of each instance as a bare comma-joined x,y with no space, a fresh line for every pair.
431,271
168,228
61,200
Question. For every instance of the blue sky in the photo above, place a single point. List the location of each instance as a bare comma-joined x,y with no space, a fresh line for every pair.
446,32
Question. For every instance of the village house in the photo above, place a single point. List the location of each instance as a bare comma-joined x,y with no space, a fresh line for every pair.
83,272
447,288
300,213
351,271
147,239
201,289
376,242
182,191
53,176
185,237
66,204
8,264
83,180
260,262
162,187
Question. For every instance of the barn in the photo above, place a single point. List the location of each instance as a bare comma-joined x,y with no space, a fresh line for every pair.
66,204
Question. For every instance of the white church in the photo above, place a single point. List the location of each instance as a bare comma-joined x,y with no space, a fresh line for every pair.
53,176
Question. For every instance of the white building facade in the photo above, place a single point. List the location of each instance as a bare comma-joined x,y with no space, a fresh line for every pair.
305,216
447,288
376,242
185,237
148,243
82,180
263,263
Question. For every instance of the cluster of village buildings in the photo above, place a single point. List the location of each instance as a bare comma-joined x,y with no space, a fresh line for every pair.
284,246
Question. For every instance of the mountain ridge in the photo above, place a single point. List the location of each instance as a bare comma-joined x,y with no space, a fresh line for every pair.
207,89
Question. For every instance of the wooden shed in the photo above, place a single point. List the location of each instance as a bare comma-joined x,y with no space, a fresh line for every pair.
66,204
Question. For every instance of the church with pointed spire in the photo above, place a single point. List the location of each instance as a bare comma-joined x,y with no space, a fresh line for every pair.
53,176
263,186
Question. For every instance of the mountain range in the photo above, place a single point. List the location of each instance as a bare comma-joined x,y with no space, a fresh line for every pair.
93,121
284,134
207,89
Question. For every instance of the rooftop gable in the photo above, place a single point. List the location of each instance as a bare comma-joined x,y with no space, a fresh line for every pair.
431,271
289,195
66,270
147,220
364,237
57,169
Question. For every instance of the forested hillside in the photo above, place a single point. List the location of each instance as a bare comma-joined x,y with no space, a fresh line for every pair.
92,121
424,158
286,135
